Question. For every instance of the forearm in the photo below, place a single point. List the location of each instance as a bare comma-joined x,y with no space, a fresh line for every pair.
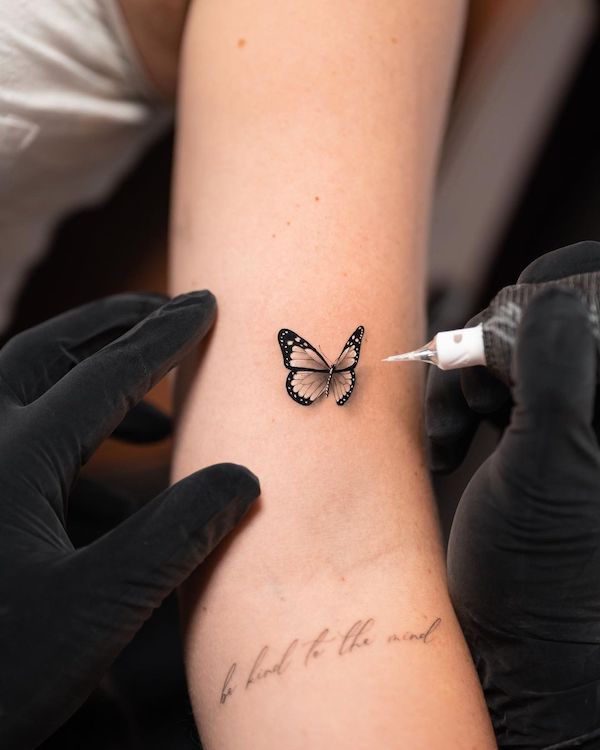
305,157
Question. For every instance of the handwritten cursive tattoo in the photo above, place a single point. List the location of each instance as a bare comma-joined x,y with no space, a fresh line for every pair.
259,672
227,690
360,636
356,636
315,647
425,636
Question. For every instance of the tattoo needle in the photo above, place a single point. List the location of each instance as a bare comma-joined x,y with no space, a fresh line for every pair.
448,350
491,343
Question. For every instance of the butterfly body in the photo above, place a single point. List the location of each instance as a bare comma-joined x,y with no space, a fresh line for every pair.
328,384
312,375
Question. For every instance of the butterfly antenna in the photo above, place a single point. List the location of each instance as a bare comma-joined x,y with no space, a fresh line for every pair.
325,357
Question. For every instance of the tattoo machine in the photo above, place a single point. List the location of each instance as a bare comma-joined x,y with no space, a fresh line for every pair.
491,342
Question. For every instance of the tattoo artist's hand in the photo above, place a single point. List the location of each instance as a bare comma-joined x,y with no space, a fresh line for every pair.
144,423
457,400
524,550
65,614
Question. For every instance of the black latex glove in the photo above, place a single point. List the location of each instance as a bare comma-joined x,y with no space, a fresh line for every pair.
144,423
65,614
457,400
524,550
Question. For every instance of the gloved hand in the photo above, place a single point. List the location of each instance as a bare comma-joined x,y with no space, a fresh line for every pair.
65,614
144,423
524,549
457,400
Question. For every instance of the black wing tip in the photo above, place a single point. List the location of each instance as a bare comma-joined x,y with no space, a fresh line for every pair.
358,333
298,399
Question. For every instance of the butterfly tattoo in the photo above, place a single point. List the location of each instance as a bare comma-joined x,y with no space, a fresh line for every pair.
312,375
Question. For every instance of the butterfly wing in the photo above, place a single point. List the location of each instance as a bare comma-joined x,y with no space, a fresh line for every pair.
306,386
348,359
343,378
342,385
307,380
298,354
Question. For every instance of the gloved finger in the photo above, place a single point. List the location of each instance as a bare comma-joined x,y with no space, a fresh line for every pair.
34,360
86,405
95,509
449,423
134,567
144,423
554,370
484,393
581,257
107,590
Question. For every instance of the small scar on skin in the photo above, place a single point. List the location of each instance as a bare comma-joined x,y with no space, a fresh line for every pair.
241,42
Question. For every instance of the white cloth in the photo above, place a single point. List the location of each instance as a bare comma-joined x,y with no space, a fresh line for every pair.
76,110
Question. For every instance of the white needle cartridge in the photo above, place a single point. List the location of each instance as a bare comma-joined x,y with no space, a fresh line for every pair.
449,350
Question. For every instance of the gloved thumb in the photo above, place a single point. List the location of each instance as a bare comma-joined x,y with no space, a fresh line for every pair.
554,376
136,565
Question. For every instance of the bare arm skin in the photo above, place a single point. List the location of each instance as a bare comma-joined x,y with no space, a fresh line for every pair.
306,151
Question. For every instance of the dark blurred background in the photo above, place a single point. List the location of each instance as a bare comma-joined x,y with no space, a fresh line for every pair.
519,176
